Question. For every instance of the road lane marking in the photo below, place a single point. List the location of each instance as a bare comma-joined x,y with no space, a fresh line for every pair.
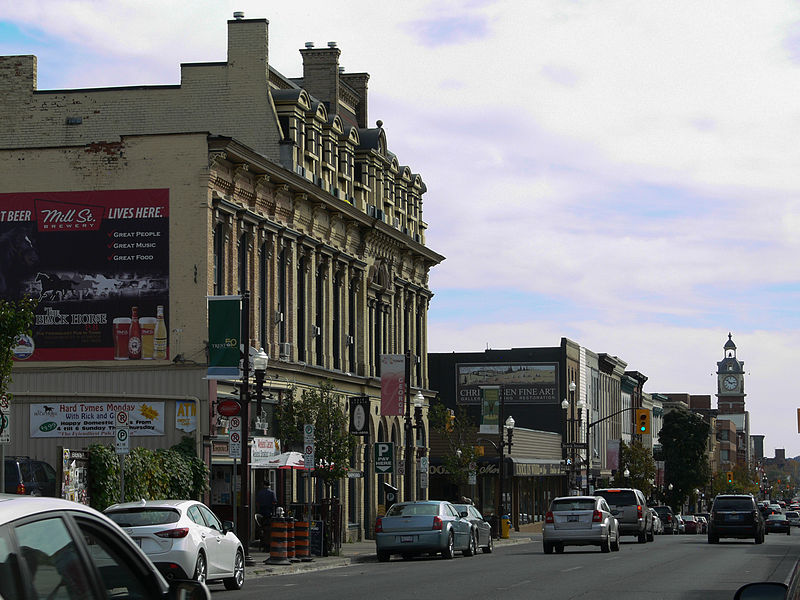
572,569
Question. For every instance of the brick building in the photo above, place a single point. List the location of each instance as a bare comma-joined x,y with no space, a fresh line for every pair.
240,179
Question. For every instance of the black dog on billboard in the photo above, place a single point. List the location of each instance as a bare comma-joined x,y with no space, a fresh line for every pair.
18,259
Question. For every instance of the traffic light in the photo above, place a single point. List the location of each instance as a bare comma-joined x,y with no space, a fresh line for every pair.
642,421
729,476
451,420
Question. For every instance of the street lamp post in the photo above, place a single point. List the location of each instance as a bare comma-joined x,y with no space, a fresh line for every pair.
408,494
244,394
505,443
260,361
573,417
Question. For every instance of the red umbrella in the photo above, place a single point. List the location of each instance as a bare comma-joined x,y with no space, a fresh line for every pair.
286,460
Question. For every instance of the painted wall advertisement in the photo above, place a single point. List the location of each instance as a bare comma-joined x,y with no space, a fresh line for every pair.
94,419
98,262
519,383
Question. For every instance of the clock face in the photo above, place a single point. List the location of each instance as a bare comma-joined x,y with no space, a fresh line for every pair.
730,382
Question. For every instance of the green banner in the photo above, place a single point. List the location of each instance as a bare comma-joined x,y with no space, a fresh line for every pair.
490,410
224,330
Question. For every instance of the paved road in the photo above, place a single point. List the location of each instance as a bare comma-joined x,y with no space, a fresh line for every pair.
672,567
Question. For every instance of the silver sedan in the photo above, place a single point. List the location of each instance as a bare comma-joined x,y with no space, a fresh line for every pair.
580,521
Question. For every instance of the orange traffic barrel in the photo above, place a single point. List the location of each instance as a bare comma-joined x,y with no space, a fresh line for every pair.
291,552
278,544
301,547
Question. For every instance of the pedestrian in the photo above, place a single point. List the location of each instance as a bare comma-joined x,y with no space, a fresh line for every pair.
266,501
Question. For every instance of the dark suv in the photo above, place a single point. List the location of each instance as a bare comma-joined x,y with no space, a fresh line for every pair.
629,507
25,475
735,516
667,518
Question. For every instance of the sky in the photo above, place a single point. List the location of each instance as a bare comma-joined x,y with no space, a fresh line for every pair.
622,173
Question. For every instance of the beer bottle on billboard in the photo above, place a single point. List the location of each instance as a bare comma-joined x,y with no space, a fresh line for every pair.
160,337
135,336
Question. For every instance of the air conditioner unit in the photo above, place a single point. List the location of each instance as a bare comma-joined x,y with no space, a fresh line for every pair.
300,170
349,340
315,331
397,223
284,350
370,210
278,316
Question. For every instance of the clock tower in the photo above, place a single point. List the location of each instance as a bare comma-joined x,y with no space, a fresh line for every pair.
730,382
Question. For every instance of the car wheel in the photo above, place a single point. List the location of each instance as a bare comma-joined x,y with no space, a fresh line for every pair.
237,581
615,544
383,556
200,568
560,549
449,552
472,547
487,549
605,546
651,536
548,547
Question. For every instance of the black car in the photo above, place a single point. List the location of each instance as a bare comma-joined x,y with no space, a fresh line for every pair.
30,477
667,519
777,524
735,516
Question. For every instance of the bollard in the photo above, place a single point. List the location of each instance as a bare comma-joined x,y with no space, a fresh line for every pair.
278,543
301,547
290,545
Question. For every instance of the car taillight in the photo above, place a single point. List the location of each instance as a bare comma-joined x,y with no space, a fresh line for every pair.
21,488
437,523
180,532
548,517
597,517
669,518
378,525
639,510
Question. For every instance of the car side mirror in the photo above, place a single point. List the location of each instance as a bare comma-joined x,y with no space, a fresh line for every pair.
228,526
762,590
463,514
188,589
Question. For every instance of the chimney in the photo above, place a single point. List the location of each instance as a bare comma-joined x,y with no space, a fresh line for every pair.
248,45
321,74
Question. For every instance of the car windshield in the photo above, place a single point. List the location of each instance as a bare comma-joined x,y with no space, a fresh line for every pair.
618,497
733,504
792,515
407,510
570,504
141,517
776,518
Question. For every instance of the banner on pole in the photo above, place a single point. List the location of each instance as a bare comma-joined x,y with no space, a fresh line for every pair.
393,384
224,331
490,410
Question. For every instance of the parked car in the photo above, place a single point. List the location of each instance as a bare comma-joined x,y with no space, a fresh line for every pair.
667,519
735,516
658,526
777,524
184,539
481,527
691,525
580,521
793,517
630,508
29,476
424,526
53,548
681,523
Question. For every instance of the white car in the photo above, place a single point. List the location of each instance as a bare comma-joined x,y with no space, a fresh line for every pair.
53,548
184,539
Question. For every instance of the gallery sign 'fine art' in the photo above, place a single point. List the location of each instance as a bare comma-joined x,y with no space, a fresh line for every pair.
98,263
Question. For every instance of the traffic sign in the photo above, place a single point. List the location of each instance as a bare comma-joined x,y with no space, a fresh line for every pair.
122,418
5,420
308,433
384,457
308,456
235,444
122,435
235,424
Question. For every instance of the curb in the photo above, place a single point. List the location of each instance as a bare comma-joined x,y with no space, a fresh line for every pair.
336,562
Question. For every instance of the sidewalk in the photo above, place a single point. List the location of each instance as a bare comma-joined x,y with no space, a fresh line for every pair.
356,552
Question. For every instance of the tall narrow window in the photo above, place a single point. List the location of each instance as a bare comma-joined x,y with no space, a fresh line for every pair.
243,241
318,321
301,310
219,260
262,294
281,309
336,315
351,328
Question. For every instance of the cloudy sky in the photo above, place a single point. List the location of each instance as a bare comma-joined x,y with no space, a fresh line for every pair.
622,173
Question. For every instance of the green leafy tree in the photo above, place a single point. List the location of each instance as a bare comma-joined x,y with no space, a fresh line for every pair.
327,411
459,433
640,464
16,318
684,439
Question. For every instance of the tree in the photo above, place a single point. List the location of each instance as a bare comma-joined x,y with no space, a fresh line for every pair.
684,438
16,318
326,410
458,431
640,464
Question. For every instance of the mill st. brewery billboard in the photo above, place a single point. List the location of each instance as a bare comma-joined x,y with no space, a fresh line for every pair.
98,262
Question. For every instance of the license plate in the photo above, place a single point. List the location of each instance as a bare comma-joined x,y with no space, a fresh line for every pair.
572,519
734,517
406,538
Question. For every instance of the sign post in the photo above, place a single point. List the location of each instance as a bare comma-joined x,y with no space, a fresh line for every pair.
308,460
122,443
5,436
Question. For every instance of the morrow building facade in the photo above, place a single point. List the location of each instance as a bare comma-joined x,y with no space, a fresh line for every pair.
134,204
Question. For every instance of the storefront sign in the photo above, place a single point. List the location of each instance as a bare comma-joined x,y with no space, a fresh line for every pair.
491,469
94,419
537,469
98,264
519,383
186,415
